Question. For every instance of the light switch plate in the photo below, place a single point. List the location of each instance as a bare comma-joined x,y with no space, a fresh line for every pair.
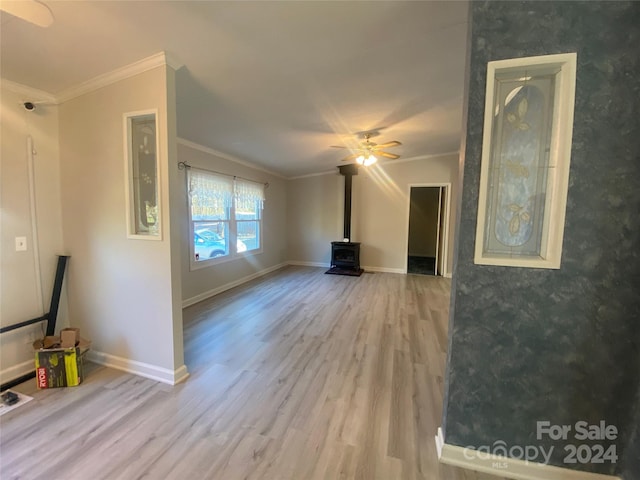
21,244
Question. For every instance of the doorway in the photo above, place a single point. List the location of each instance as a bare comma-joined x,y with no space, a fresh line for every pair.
427,237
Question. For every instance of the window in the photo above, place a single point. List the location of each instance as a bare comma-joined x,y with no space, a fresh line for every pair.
226,217
525,161
142,168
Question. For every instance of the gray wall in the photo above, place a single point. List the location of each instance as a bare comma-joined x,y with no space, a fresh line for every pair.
557,345
314,217
631,465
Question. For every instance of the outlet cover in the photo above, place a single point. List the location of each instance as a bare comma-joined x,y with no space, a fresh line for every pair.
21,244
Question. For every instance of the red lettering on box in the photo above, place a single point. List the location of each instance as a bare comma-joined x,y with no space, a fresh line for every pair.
42,377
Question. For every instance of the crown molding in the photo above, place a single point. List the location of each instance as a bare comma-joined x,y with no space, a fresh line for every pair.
319,174
141,66
421,157
382,163
29,93
172,61
226,156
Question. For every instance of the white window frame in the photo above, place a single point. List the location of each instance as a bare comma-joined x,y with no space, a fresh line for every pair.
559,159
130,166
232,228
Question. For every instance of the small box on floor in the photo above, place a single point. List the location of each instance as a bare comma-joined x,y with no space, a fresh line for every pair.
59,360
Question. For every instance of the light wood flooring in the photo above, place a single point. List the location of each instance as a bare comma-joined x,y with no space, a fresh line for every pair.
294,376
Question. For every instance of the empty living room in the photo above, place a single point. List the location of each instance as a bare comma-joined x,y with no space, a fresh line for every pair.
304,240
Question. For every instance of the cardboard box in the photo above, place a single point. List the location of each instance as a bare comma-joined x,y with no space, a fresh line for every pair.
57,366
69,337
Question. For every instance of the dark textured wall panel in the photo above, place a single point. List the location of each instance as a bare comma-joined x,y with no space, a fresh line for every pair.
631,464
560,345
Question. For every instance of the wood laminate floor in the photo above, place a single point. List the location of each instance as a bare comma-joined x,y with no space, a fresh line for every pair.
294,376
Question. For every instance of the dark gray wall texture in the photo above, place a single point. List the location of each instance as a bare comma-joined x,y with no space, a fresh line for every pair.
529,345
631,463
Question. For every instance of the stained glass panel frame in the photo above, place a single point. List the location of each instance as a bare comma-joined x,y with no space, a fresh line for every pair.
526,155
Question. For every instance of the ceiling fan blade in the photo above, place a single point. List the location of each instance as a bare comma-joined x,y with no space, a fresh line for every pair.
31,11
337,146
394,143
388,155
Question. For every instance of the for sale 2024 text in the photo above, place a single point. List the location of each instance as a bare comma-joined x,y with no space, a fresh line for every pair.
581,431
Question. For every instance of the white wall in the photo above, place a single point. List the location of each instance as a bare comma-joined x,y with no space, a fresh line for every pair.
123,293
380,211
201,283
19,299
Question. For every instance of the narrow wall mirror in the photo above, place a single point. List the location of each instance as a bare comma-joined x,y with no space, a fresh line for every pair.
142,168
525,161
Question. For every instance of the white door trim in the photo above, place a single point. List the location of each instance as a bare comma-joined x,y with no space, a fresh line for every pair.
443,239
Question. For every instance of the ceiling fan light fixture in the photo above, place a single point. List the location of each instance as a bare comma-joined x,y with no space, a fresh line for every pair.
366,161
364,153
370,160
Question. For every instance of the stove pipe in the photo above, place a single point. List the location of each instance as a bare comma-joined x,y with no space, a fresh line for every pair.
348,171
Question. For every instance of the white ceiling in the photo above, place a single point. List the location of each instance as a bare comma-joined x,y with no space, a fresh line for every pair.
272,83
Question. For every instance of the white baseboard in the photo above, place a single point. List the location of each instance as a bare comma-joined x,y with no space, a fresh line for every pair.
227,286
508,467
138,368
153,372
308,264
384,269
17,371
447,275
365,268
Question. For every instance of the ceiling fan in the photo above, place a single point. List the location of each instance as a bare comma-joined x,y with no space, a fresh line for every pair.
32,11
367,151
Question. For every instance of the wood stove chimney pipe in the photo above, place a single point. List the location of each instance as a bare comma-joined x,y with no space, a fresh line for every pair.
347,171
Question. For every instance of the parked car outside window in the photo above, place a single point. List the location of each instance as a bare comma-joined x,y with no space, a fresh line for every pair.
208,244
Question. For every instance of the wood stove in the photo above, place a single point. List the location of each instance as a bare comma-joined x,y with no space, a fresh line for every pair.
345,255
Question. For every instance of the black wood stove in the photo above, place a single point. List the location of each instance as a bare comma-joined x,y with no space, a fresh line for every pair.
345,255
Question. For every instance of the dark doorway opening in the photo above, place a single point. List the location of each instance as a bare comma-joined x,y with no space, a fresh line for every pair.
426,253
421,265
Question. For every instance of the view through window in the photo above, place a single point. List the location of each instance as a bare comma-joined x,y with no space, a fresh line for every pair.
226,216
